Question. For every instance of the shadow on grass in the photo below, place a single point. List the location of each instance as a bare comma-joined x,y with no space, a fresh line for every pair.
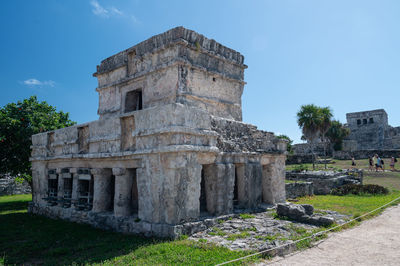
33,239
13,206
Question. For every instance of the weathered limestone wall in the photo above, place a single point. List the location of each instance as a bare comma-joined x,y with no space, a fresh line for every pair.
176,66
299,189
305,149
176,178
273,183
236,136
370,130
324,181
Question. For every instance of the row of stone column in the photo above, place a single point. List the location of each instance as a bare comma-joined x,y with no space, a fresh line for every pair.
255,183
102,188
122,190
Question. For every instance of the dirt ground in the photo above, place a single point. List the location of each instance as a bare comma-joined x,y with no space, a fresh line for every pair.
374,242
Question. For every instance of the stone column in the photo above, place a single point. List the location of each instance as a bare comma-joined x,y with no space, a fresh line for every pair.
60,186
274,181
75,183
35,186
42,183
123,192
280,173
101,189
253,176
219,185
267,184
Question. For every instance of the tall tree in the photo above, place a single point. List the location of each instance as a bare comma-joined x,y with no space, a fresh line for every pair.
326,116
18,122
309,120
314,122
336,133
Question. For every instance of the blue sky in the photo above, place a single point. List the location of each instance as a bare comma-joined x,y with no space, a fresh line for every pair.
342,54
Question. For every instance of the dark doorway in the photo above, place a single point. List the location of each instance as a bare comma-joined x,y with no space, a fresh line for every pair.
67,192
203,196
235,189
112,193
135,196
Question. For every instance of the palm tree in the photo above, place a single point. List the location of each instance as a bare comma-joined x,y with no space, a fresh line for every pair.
309,120
325,124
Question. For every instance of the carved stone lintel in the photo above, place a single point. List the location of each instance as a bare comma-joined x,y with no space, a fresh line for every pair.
73,170
118,171
99,171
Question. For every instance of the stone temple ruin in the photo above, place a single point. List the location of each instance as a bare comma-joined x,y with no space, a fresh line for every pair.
370,134
369,130
169,147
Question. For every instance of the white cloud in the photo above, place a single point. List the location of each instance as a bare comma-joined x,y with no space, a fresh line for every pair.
37,83
134,19
103,12
98,10
116,11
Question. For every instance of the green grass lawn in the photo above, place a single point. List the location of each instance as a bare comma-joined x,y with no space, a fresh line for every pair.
349,204
342,164
33,239
352,204
388,179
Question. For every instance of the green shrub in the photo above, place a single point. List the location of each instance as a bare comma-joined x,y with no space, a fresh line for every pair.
233,237
360,190
217,232
246,216
300,168
183,237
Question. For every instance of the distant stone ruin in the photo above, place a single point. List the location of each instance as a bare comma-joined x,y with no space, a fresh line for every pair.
369,130
169,147
370,134
11,186
322,181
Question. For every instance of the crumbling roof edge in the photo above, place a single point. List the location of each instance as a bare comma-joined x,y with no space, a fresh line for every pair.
171,36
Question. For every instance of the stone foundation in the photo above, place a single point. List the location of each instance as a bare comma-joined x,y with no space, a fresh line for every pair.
299,189
324,181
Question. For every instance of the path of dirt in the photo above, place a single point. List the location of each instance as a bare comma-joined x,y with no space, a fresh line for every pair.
374,242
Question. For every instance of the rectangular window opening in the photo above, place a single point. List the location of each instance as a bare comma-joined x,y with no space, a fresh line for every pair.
133,101
85,194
